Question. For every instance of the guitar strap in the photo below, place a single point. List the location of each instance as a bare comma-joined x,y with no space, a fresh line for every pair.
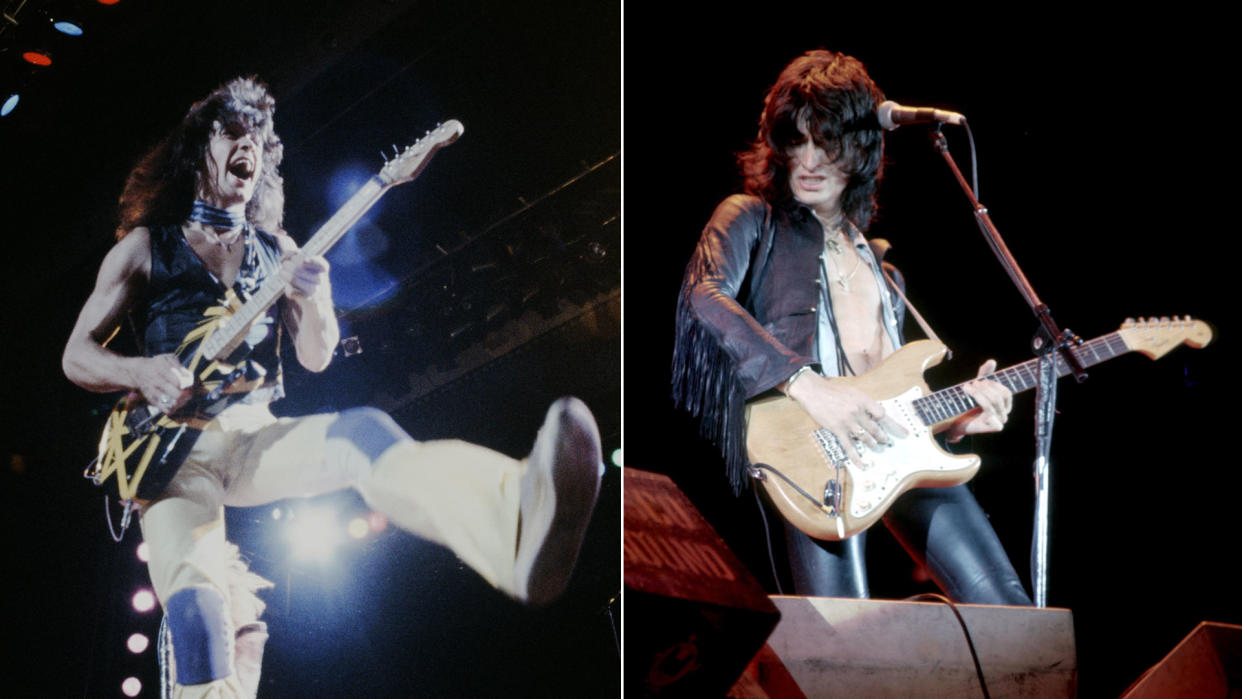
918,317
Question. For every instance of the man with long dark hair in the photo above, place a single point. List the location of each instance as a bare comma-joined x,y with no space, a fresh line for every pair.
200,231
784,292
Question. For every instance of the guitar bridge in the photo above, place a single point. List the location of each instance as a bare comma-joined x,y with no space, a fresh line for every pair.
830,447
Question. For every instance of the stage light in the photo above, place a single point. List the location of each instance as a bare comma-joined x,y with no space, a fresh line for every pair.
144,552
358,528
144,600
10,104
37,58
137,643
108,2
67,28
132,685
377,522
276,513
616,457
314,534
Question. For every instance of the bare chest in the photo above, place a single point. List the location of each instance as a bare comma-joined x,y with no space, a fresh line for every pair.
858,311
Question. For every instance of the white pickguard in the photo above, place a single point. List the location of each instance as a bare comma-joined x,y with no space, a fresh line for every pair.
885,469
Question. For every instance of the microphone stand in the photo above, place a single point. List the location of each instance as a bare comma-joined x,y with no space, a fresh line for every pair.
1051,345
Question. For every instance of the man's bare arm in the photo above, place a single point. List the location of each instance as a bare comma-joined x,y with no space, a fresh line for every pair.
310,315
89,363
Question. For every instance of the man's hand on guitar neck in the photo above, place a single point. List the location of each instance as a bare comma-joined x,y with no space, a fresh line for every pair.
994,401
305,277
846,412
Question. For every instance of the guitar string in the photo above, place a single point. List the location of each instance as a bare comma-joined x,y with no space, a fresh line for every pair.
946,403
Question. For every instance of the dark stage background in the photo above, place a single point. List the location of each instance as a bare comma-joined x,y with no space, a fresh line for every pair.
1102,163
478,293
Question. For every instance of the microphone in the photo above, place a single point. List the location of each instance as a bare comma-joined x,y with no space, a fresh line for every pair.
892,115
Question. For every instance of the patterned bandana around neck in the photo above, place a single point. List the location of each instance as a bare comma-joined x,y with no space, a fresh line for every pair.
214,216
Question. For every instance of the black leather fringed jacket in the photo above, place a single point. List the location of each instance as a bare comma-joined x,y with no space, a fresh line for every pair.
747,315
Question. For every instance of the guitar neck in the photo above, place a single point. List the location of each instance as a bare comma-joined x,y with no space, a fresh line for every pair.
951,402
226,337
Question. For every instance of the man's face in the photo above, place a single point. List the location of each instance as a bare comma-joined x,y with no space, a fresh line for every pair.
234,161
814,179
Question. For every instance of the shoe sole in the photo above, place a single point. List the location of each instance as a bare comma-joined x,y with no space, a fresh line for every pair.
559,525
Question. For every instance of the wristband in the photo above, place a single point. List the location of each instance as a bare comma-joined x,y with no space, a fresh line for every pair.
796,375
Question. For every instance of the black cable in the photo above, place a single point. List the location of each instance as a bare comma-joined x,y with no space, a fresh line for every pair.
108,517
767,535
970,642
612,621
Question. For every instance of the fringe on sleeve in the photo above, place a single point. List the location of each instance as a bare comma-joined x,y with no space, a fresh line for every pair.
706,385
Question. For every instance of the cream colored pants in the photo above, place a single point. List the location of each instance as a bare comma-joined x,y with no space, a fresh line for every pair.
450,492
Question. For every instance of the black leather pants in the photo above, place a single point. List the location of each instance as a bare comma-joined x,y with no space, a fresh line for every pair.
944,529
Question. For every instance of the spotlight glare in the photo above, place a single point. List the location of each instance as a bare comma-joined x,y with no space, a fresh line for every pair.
137,643
131,686
10,104
276,514
314,535
144,552
108,2
616,457
358,527
144,600
67,28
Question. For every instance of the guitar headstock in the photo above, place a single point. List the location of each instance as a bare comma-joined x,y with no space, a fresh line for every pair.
409,162
1155,337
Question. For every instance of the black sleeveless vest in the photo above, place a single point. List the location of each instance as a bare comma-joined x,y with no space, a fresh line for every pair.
182,295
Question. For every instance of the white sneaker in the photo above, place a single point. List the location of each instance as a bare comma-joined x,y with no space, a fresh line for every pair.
558,492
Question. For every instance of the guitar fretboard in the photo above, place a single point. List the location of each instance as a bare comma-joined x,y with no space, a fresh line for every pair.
403,168
953,401
232,330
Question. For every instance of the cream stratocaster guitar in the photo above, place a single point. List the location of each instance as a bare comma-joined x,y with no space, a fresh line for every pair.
828,496
141,446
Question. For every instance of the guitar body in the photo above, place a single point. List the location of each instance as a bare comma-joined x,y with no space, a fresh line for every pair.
142,447
845,497
824,494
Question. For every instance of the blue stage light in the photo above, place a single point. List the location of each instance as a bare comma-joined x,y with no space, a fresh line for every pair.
67,28
10,104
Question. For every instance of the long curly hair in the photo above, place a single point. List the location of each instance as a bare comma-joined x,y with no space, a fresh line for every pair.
160,190
834,97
